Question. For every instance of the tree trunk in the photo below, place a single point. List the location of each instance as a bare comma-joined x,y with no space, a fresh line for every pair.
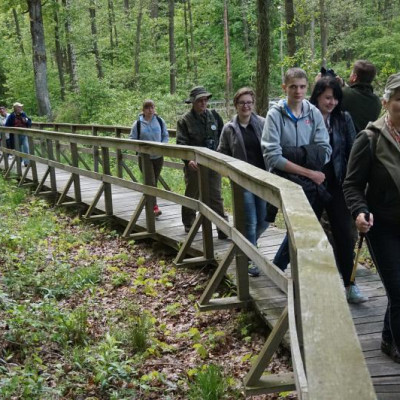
172,57
243,9
154,9
39,57
324,32
72,64
290,28
312,37
194,56
228,87
263,56
137,44
92,13
185,17
110,31
18,31
59,56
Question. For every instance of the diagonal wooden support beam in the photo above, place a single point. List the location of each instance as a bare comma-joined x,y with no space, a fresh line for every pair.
96,199
135,217
65,191
42,181
219,274
189,239
254,381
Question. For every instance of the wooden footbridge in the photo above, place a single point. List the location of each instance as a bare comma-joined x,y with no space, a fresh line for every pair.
335,349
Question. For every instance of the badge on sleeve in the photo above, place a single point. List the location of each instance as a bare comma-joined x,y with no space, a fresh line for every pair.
213,127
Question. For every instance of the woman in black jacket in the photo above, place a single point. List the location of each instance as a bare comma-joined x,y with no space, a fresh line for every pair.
327,96
372,186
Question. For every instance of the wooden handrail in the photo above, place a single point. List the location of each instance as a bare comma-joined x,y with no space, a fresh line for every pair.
332,365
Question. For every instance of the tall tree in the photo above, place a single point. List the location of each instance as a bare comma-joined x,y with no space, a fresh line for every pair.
72,63
18,31
243,9
263,55
193,50
290,28
227,45
93,26
154,9
324,31
137,41
39,57
185,18
172,56
59,56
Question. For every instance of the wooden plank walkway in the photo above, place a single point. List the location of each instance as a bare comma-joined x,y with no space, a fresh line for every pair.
368,317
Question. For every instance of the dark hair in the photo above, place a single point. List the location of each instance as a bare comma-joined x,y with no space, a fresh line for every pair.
295,73
364,70
324,83
241,92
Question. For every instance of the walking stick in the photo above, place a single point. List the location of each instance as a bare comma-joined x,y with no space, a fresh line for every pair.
360,243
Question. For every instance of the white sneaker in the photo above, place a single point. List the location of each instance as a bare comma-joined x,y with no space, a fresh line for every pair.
354,296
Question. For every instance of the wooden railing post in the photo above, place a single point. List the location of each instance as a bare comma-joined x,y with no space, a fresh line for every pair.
32,163
242,262
76,177
105,152
4,145
150,200
120,169
18,159
204,195
95,152
52,170
58,146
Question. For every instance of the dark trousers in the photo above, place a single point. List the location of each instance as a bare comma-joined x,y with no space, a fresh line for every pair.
192,190
282,256
157,164
343,232
384,245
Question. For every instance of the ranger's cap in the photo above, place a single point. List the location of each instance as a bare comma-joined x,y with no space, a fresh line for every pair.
393,82
17,104
196,93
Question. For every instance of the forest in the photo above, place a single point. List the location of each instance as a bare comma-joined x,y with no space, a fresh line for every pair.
95,61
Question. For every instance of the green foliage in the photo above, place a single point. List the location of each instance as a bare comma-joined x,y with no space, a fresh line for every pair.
209,384
74,327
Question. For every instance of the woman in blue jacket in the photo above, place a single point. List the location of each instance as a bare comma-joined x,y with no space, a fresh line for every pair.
327,96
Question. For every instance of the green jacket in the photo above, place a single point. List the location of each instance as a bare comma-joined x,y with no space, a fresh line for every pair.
200,130
362,103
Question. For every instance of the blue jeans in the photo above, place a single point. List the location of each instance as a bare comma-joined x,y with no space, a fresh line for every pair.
24,145
384,245
256,212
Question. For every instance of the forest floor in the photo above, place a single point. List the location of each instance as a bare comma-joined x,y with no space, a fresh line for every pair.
87,315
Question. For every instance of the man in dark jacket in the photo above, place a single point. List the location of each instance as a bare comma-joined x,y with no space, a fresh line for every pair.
18,119
359,98
200,127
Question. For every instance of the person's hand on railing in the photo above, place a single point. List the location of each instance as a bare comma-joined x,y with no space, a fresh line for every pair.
193,165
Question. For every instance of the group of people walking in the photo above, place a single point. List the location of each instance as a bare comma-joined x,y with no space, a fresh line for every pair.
347,166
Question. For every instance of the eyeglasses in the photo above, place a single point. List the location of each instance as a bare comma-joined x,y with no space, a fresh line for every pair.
245,103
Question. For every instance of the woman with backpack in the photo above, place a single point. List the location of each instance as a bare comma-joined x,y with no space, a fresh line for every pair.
372,188
149,126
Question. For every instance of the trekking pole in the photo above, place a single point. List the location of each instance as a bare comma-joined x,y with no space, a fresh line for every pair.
360,243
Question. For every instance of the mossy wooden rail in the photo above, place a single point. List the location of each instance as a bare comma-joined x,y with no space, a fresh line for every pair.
326,354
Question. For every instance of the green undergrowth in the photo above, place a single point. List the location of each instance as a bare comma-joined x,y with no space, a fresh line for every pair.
85,314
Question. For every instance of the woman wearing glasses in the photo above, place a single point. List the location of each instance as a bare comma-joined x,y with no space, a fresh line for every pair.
241,138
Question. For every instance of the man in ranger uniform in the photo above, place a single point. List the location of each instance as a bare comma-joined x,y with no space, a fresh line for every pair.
200,127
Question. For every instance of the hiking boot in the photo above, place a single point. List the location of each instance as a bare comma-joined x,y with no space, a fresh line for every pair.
354,296
253,270
187,228
391,350
157,211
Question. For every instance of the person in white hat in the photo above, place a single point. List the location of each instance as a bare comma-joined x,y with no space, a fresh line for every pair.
18,119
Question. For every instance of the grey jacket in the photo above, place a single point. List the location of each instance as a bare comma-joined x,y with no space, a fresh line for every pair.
281,131
231,141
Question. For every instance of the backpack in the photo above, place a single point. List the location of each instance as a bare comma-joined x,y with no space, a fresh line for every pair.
138,125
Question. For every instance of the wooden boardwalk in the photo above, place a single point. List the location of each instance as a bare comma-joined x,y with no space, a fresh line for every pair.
368,317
